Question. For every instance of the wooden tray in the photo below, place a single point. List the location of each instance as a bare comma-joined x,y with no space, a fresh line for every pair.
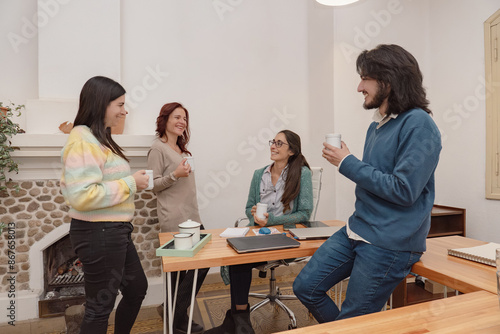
168,248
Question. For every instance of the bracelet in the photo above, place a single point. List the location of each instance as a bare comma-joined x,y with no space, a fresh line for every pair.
172,176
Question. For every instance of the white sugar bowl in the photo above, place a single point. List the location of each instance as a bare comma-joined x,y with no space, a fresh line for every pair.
190,226
183,240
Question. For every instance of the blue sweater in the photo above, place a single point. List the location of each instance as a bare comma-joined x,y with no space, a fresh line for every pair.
395,182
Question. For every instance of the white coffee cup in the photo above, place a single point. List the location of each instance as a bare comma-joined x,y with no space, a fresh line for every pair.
261,209
149,172
183,240
190,161
334,139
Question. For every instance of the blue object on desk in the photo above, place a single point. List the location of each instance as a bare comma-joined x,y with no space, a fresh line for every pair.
264,230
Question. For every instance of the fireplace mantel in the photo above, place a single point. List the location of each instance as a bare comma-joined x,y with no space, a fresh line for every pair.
39,155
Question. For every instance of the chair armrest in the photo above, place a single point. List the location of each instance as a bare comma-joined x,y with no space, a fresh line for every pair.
239,220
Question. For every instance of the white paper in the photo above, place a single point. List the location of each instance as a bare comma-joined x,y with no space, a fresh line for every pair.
232,232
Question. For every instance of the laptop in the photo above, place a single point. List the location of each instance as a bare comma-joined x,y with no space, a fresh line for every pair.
262,243
314,223
314,232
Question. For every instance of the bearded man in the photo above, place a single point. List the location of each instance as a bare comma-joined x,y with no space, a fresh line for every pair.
387,232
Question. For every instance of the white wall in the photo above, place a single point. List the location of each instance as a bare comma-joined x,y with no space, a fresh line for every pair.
19,52
86,37
241,73
247,68
320,48
447,38
457,94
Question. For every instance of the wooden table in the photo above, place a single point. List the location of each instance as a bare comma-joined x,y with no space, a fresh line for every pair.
459,274
218,253
476,312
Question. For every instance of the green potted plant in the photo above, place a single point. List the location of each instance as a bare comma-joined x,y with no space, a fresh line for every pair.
7,130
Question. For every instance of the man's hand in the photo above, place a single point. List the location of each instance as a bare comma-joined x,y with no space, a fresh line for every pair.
333,154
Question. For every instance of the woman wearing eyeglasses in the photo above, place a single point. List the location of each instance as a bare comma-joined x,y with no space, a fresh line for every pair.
286,187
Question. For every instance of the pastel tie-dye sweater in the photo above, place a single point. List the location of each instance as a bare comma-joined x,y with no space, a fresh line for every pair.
95,182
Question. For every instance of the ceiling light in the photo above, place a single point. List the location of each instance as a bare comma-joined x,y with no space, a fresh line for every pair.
335,2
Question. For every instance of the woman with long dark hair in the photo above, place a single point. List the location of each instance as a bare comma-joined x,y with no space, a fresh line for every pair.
175,189
97,184
286,187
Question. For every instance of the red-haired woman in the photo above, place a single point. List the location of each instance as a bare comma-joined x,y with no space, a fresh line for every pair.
175,189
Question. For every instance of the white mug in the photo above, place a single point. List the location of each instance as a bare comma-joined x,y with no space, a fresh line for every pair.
261,209
190,161
149,172
334,139
183,240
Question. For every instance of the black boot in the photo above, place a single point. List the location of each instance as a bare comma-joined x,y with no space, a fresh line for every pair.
227,326
180,326
242,322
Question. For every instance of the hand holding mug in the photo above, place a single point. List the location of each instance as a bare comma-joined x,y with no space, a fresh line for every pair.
183,169
190,162
259,221
149,172
141,180
335,155
253,210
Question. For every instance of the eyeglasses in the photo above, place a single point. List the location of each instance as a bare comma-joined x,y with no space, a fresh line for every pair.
278,143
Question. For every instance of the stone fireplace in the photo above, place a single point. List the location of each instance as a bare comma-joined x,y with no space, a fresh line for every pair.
63,279
37,214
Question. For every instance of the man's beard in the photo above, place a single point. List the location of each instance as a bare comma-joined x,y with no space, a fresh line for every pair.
378,99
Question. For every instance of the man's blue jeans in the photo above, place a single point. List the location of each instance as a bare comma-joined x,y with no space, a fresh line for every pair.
374,273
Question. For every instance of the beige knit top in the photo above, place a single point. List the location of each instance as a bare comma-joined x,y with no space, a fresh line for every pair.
176,199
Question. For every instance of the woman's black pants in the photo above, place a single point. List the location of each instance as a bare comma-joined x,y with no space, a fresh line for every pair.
110,263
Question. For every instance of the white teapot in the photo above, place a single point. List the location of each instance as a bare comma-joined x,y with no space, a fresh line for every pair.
190,226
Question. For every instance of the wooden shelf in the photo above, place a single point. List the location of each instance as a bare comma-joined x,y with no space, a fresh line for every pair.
417,294
446,221
444,234
440,210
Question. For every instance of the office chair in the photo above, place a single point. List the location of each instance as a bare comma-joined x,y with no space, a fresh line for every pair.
274,296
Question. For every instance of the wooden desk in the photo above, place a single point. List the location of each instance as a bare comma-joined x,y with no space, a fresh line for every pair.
476,312
218,253
459,274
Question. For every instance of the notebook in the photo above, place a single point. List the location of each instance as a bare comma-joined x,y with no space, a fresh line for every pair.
234,232
483,254
262,243
314,232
